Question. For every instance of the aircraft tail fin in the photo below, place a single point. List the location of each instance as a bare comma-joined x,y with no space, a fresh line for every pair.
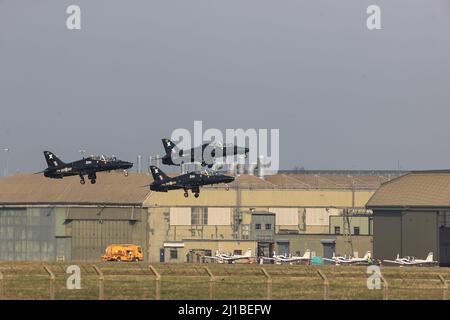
307,254
430,257
157,174
52,160
367,256
169,146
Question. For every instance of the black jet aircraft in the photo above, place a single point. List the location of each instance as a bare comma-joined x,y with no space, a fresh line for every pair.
87,166
205,154
192,180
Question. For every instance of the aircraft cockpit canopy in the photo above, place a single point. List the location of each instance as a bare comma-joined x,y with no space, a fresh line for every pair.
103,158
220,144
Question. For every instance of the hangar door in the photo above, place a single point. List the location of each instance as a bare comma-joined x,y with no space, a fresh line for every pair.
91,237
27,234
419,233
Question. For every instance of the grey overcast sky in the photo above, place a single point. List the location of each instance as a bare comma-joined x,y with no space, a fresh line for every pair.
342,96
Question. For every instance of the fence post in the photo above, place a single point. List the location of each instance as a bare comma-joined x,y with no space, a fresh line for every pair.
157,283
212,284
444,287
52,282
269,283
2,292
385,288
326,285
101,283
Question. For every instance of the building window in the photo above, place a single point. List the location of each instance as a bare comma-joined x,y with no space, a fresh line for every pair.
356,231
258,226
173,254
337,230
199,216
268,226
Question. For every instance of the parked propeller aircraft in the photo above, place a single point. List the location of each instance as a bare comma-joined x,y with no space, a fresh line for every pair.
367,259
227,258
412,261
280,259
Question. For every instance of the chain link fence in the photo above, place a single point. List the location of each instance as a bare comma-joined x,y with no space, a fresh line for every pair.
140,281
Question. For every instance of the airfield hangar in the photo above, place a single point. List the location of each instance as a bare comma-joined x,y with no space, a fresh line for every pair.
411,216
48,220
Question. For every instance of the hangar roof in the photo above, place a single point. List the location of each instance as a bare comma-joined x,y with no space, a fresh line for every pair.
115,189
111,188
416,189
327,181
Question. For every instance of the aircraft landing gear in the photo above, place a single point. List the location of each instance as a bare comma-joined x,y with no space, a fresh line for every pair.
82,180
227,187
196,192
93,178
186,194
125,173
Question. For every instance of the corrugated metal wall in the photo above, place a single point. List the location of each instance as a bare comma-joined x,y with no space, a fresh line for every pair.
91,237
79,234
27,234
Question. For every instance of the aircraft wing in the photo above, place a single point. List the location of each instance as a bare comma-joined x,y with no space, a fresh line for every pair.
209,257
392,261
236,258
240,258
421,262
295,259
347,261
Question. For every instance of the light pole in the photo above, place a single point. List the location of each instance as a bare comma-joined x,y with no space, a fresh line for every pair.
5,170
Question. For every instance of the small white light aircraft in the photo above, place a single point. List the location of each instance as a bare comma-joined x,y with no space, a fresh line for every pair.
225,257
283,258
412,261
367,259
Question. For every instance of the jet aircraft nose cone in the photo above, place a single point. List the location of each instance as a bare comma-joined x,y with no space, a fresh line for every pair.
128,164
228,179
